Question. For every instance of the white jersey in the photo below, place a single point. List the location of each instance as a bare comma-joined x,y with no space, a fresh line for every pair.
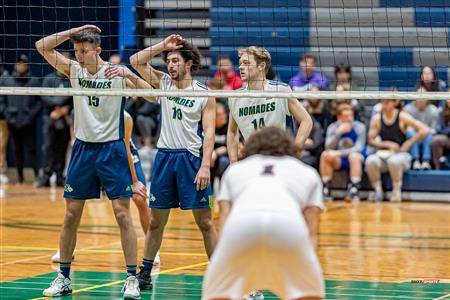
97,119
250,114
271,184
181,118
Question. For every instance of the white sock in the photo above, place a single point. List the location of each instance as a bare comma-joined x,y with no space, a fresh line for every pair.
326,179
355,179
377,186
397,186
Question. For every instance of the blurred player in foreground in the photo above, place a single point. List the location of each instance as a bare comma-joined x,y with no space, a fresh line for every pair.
270,204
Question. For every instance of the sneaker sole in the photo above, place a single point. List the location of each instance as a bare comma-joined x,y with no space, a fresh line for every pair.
58,295
131,297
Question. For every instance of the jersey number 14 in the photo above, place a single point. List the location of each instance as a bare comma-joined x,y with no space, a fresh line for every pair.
258,124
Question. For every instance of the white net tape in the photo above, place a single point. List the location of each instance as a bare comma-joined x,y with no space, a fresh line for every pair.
325,95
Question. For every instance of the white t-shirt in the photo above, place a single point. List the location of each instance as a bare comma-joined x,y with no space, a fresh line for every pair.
250,114
181,118
97,119
271,184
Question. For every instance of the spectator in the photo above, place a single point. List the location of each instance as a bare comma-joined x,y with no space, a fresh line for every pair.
319,110
392,147
313,146
344,143
116,59
56,114
352,102
4,134
428,114
343,77
308,77
226,73
147,122
21,113
429,80
219,161
440,143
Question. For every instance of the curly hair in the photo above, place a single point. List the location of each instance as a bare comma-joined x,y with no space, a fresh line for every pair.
189,53
271,141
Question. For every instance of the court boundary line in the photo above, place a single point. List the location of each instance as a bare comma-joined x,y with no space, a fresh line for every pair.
94,287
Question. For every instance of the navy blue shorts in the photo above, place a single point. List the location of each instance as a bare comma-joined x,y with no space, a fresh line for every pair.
173,175
345,164
94,166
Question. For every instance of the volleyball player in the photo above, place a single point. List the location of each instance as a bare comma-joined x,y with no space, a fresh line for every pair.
250,114
99,156
181,171
270,204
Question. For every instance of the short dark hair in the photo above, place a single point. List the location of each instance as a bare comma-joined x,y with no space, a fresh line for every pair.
189,53
89,36
271,141
222,57
342,68
308,56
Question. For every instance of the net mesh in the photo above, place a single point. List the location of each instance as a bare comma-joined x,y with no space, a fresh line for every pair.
385,42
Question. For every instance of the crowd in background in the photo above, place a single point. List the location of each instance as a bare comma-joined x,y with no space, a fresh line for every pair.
392,136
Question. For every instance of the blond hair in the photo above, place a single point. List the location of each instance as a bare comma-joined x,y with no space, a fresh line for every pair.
260,54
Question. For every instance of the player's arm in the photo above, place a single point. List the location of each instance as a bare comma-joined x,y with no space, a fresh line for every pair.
311,215
132,81
203,177
140,60
138,187
232,140
303,118
420,128
224,211
46,47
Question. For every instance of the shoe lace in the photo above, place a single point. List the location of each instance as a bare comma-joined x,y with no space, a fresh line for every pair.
59,281
130,283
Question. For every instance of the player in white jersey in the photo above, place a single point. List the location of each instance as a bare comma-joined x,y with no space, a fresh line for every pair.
270,204
99,157
181,171
250,114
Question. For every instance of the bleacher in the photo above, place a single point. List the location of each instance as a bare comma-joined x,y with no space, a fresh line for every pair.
385,41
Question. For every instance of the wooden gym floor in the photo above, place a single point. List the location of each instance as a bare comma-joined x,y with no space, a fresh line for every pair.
368,251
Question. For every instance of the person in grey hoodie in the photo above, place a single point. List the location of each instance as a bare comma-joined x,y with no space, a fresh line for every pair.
344,143
21,113
56,128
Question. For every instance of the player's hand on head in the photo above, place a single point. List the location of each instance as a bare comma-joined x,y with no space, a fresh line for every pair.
203,178
139,189
174,42
85,27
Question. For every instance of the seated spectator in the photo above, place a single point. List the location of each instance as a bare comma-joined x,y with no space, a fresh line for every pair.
219,160
308,77
440,144
56,128
313,146
226,73
343,77
352,102
344,143
319,110
115,59
430,81
392,148
21,114
428,114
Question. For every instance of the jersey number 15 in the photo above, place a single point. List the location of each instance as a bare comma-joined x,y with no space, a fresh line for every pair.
94,101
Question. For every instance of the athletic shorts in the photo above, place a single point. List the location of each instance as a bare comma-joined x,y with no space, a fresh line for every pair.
94,166
263,251
173,175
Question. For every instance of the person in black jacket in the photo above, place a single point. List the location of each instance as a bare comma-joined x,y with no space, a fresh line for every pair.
21,113
56,128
